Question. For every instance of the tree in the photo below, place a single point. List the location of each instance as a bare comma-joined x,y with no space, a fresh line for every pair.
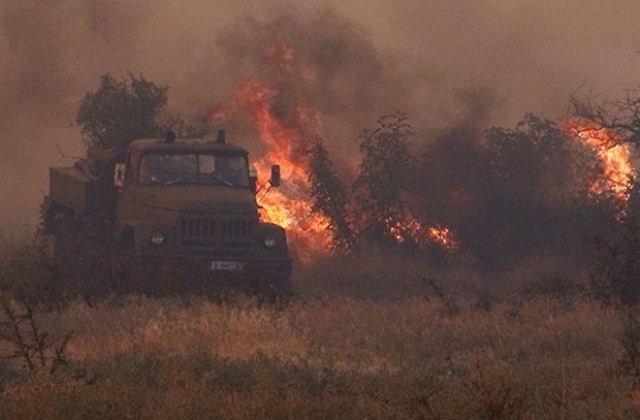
536,197
121,110
383,176
330,196
616,270
621,116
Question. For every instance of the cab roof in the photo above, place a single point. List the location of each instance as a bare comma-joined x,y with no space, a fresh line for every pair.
196,145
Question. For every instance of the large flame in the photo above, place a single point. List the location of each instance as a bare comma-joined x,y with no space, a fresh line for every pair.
284,142
286,136
614,156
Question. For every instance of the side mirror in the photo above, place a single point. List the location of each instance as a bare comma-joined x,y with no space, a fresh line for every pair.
253,178
118,175
275,176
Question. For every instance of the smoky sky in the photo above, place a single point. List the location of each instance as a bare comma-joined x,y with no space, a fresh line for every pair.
434,60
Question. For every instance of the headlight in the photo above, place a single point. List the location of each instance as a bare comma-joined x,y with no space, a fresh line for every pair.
270,241
157,238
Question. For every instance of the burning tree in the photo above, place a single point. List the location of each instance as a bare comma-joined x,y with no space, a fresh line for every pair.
621,117
514,194
384,174
613,128
285,76
537,197
330,196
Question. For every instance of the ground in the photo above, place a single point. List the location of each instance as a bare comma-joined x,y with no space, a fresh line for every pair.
331,356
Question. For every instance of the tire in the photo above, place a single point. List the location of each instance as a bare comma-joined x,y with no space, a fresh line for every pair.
66,244
273,288
86,263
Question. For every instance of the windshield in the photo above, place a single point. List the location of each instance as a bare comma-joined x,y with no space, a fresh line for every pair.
193,168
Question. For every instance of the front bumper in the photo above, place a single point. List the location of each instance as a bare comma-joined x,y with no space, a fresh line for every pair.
203,263
160,275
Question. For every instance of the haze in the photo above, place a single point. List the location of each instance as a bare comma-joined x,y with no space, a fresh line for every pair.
422,57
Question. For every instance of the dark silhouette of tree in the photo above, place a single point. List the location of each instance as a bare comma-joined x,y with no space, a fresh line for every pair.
126,109
616,270
185,130
330,196
537,198
511,194
621,115
453,172
383,176
121,110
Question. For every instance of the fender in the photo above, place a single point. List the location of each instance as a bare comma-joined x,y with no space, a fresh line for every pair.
51,212
279,250
141,230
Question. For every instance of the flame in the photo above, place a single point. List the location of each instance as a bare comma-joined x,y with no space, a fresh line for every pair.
444,237
286,135
614,156
411,229
284,141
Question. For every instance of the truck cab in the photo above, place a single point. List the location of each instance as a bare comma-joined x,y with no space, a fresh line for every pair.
189,203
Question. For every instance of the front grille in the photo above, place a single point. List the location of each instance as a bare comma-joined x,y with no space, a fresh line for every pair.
223,229
198,228
236,229
202,236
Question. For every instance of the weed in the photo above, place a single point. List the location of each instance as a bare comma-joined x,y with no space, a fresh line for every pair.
615,271
629,362
332,358
34,347
421,406
449,302
493,396
485,301
30,275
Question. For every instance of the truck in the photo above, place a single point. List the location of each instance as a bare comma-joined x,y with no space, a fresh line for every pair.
170,214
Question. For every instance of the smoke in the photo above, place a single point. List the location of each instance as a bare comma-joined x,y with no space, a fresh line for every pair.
52,54
324,76
443,63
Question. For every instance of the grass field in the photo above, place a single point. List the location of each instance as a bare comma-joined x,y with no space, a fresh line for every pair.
329,357
376,339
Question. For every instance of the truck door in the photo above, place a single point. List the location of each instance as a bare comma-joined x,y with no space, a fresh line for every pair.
125,197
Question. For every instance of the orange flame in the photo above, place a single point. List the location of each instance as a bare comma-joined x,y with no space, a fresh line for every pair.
285,143
286,135
411,228
614,156
444,237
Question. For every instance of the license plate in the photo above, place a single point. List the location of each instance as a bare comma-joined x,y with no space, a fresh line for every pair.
226,265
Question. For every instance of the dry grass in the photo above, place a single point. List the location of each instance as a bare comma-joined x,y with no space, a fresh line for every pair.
331,358
363,339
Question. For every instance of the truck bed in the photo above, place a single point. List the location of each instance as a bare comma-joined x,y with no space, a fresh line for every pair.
72,188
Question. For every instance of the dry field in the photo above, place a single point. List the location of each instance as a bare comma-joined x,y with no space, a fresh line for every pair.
366,340
330,357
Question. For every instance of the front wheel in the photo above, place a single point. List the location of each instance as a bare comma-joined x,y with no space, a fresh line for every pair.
86,262
273,287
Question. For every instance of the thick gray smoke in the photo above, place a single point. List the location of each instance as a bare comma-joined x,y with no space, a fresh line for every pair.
368,58
51,54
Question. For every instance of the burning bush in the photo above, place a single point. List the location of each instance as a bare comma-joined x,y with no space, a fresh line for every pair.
510,194
497,196
383,177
